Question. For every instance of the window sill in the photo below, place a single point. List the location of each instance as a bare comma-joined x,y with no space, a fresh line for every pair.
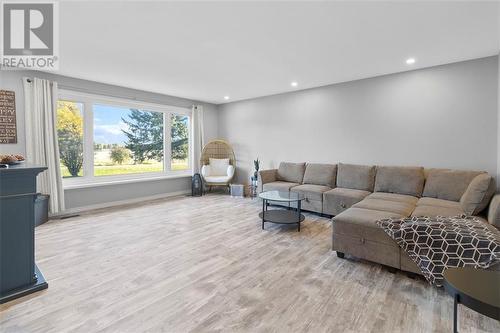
110,182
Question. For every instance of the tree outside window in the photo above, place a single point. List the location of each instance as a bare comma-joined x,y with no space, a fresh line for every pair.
70,137
179,142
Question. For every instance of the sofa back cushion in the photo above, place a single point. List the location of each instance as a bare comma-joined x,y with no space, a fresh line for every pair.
320,174
358,177
400,180
291,172
478,194
494,211
448,184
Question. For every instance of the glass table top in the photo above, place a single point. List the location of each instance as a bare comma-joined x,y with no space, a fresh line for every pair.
281,196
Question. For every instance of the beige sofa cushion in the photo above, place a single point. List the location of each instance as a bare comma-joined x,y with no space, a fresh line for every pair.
359,177
278,186
447,184
394,197
399,207
320,174
359,223
438,203
478,194
291,172
433,207
339,199
311,192
433,211
400,180
313,196
494,212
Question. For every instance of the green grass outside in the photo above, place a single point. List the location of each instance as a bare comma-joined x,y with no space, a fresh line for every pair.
117,169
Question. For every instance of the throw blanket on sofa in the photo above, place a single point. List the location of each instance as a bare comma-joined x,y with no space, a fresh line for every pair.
438,243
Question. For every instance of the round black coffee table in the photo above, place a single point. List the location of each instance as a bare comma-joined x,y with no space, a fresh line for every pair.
477,289
282,216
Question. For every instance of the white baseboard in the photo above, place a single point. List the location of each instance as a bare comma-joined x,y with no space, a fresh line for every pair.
81,209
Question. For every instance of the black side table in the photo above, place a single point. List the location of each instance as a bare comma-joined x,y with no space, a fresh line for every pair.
477,289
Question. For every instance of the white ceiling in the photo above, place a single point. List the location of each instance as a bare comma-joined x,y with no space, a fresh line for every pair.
205,51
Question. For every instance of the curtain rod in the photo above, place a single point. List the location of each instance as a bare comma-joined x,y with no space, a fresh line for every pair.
135,98
94,92
89,91
30,80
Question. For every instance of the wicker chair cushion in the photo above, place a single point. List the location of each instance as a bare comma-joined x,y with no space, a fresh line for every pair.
218,166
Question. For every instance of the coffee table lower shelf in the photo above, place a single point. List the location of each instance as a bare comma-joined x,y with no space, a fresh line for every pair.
281,217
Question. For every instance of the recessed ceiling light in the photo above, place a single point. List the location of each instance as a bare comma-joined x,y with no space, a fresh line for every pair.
410,61
294,84
226,97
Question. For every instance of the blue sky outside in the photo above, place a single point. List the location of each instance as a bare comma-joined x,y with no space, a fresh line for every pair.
108,124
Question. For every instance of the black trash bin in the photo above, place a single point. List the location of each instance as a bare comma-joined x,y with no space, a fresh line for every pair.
196,185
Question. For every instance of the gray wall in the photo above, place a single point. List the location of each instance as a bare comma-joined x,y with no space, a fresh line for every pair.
444,116
12,80
91,196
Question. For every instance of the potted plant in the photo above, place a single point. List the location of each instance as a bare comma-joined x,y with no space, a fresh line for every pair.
256,164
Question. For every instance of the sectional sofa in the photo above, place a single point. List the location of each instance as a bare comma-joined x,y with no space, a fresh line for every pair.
359,195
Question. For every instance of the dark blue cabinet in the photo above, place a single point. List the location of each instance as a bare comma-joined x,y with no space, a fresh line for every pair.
19,275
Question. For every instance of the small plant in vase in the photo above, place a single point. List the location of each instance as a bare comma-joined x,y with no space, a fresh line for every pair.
256,164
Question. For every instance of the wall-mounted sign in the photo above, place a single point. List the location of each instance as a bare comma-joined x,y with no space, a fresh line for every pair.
8,130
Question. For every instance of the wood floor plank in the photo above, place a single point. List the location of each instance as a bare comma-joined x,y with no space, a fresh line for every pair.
204,265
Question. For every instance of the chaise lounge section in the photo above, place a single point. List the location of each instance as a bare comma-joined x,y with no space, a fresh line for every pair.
359,195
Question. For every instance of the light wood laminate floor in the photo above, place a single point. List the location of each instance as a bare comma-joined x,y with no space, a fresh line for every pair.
204,265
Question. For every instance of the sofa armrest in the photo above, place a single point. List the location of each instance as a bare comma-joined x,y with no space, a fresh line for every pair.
494,211
266,176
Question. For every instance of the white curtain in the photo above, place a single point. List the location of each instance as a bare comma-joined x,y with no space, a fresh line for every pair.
40,100
198,141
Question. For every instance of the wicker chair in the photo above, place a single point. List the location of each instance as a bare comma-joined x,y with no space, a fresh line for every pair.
217,149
